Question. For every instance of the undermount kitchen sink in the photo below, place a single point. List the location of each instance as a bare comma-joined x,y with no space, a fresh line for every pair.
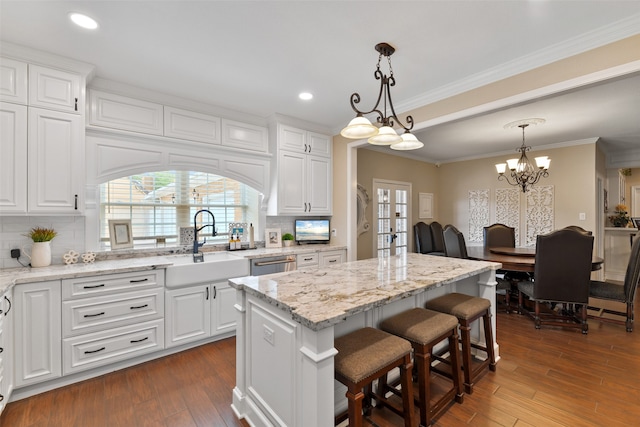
216,266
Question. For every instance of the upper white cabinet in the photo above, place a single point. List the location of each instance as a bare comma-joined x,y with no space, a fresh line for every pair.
244,136
55,89
191,126
13,81
121,112
55,162
42,143
13,160
303,173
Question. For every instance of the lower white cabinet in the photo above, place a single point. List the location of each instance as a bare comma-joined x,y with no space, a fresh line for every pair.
37,332
6,348
198,312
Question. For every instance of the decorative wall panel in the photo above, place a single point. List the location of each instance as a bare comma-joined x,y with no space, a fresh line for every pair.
508,208
539,214
478,214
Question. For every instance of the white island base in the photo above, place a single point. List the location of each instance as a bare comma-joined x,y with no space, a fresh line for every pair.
288,321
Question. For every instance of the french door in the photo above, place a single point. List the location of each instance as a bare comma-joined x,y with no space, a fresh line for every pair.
392,217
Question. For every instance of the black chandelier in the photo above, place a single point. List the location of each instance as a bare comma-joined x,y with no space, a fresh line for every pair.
522,172
360,127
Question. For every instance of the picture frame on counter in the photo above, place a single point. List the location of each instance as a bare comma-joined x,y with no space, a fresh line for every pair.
272,238
120,235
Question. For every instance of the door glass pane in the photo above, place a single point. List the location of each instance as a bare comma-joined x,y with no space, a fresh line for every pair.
393,207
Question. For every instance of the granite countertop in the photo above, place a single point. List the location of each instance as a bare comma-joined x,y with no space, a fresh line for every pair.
319,298
129,262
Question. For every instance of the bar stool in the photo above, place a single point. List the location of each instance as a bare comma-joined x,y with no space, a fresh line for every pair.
424,329
365,355
468,309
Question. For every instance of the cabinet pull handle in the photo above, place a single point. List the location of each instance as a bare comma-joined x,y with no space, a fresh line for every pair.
135,307
94,315
207,297
308,259
138,281
305,148
309,148
309,206
305,206
76,106
76,202
332,260
1,398
94,351
215,292
1,349
140,340
9,309
94,286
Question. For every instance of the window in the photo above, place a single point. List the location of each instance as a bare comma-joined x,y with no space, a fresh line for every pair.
159,203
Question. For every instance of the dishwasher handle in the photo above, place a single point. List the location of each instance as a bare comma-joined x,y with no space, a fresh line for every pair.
275,261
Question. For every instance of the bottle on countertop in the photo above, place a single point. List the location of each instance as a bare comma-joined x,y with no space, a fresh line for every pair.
252,243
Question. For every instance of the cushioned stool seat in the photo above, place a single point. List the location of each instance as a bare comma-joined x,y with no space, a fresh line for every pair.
424,329
365,355
467,309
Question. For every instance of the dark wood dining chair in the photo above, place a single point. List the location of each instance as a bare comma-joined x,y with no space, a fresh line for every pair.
578,228
614,291
438,238
501,235
562,275
454,244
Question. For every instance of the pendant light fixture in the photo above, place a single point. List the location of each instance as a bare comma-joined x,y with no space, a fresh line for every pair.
521,171
360,127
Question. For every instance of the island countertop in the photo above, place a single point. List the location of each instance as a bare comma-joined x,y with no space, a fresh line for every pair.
322,297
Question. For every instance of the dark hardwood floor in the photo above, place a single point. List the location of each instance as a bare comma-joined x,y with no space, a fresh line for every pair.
547,377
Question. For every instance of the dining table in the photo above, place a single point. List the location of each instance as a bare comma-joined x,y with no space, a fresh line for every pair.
516,258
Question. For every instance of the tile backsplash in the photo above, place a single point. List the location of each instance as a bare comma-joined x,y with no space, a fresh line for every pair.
70,236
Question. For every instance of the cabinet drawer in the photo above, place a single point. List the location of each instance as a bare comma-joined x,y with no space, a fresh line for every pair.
330,258
110,284
120,112
99,313
102,348
306,260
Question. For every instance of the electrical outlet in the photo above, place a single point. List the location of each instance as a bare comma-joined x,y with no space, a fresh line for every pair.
582,216
15,253
334,232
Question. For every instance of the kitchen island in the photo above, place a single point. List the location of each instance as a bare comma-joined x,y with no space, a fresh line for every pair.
288,321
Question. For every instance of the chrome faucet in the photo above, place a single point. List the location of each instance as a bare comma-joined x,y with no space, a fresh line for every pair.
199,257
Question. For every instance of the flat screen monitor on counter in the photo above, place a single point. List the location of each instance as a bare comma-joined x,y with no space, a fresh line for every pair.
312,230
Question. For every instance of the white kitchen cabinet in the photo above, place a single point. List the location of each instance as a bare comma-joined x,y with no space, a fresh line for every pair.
199,312
188,314
191,126
111,318
38,343
13,81
223,311
304,184
329,258
55,89
121,112
55,162
244,136
6,348
13,160
307,260
302,141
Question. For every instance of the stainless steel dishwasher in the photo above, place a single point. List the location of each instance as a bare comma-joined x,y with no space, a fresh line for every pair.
276,264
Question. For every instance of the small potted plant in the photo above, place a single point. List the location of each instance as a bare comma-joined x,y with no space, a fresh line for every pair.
41,249
621,217
287,239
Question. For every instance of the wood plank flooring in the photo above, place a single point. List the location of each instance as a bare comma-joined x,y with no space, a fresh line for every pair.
548,377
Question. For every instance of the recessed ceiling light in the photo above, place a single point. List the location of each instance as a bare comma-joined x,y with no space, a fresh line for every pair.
83,21
305,96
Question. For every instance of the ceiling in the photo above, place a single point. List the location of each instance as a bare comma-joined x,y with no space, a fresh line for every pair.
256,56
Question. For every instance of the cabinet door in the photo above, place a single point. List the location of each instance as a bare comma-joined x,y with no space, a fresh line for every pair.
13,158
191,126
38,341
290,138
13,81
188,315
55,89
56,162
292,172
6,348
223,311
244,136
319,145
121,112
319,179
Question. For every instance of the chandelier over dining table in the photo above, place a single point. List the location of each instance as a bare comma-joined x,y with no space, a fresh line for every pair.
522,173
360,127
